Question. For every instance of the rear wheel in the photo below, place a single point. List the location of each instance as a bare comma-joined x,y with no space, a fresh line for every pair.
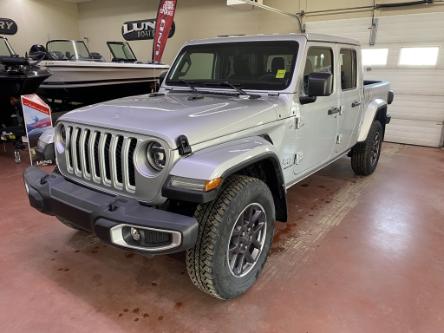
365,155
235,234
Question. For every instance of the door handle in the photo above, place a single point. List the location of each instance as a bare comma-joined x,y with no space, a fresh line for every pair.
334,110
355,104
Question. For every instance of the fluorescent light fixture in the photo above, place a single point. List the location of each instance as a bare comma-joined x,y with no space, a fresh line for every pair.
374,57
418,56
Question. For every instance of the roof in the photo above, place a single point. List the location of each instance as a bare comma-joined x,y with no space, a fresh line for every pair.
277,37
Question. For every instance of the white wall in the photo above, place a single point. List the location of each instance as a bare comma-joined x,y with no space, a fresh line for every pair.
101,20
40,20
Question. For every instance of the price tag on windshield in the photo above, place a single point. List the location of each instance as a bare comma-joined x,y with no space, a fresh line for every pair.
280,74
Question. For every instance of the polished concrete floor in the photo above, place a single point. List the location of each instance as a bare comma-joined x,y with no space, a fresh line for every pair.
358,255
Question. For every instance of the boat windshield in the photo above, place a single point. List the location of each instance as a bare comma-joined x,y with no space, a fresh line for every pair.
246,65
5,50
121,51
68,50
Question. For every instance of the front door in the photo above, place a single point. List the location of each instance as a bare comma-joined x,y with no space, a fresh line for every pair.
319,118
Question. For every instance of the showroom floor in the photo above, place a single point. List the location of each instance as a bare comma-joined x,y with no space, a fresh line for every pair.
357,255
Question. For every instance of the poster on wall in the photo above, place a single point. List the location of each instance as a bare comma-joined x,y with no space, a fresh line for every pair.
8,26
142,30
37,117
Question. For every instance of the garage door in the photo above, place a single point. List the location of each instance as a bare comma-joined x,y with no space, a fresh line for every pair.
417,41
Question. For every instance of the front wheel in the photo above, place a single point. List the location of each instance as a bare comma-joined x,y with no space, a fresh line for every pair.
365,155
235,234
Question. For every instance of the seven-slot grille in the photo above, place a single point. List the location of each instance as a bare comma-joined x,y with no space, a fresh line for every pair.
101,157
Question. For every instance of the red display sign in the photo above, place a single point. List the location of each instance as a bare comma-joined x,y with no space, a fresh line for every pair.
164,22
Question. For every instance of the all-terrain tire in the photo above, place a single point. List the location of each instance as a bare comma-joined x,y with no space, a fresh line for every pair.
365,155
207,263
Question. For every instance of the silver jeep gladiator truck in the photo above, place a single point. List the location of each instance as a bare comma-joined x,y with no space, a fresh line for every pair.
204,165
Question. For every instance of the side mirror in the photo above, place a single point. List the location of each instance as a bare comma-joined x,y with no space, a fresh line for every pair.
162,77
320,84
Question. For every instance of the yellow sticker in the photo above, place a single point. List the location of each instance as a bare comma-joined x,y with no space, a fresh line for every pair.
280,74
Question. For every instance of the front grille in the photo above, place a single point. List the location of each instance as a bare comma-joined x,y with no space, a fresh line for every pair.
101,157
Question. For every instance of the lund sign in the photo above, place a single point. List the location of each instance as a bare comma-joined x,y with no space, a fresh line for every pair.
141,30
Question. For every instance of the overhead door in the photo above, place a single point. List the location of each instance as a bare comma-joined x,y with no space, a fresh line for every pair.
418,109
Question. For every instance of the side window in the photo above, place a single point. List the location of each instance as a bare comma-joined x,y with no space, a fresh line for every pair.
319,60
348,69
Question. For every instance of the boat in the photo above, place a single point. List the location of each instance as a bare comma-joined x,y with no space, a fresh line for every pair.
80,77
18,76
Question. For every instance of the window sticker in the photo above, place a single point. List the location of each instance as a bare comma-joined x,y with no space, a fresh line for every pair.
280,74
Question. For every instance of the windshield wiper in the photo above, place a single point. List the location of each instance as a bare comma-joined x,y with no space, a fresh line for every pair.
232,86
190,85
196,93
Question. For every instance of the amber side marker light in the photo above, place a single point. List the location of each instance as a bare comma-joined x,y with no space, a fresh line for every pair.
200,185
212,184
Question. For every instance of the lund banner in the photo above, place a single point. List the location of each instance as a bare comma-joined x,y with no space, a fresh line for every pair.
142,30
164,21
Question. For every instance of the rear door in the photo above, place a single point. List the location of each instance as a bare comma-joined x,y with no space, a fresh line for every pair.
319,117
350,87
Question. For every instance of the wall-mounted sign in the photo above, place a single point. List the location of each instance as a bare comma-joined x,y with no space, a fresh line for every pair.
8,26
142,30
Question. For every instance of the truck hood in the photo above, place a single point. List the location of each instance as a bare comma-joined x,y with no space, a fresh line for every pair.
174,114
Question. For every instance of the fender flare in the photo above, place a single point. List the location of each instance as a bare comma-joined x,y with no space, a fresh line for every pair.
369,115
225,160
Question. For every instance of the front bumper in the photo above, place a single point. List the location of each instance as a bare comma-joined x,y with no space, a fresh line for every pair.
110,217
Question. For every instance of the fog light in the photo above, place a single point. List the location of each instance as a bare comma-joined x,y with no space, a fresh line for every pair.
135,234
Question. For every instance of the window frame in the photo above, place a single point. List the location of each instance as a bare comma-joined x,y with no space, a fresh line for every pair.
355,67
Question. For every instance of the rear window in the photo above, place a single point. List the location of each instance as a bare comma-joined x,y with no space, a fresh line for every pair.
348,69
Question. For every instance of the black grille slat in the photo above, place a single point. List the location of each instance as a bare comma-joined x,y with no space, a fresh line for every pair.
119,169
77,146
96,155
85,148
107,157
131,150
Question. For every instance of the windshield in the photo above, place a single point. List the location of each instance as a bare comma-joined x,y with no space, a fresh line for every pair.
68,50
121,51
4,48
248,65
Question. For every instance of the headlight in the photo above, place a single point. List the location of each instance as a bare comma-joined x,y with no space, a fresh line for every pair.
156,155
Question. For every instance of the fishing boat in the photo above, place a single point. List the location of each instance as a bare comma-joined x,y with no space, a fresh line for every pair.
80,77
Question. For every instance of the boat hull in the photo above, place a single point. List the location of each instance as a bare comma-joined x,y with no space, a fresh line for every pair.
19,84
88,82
